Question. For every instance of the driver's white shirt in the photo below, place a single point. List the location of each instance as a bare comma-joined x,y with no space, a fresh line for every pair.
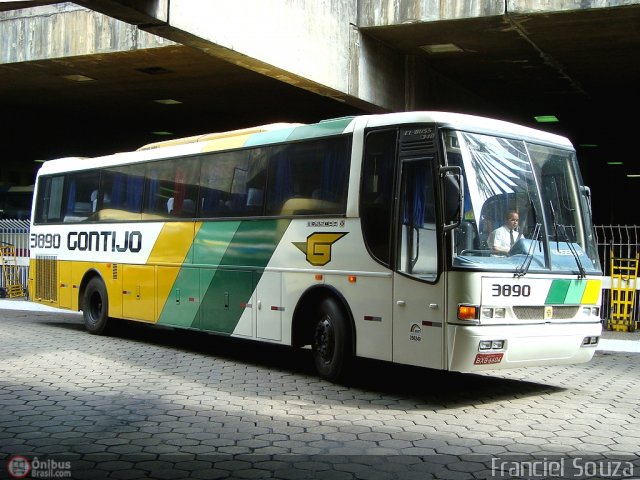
500,238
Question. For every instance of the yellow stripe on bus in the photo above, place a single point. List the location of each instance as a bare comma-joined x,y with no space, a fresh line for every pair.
591,293
171,249
224,143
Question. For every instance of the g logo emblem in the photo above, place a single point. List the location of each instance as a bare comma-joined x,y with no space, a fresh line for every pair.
317,248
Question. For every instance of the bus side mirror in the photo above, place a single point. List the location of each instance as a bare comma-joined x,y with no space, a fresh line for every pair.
453,196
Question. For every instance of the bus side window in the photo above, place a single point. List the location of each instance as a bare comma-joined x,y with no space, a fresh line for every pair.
376,198
120,193
308,178
79,189
49,201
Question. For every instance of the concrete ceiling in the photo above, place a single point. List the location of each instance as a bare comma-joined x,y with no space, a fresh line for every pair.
582,66
90,118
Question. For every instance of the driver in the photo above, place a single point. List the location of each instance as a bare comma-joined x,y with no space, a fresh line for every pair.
502,238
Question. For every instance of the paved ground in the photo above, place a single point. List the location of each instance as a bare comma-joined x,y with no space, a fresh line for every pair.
149,403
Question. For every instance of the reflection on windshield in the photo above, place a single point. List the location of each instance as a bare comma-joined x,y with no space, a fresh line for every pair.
524,208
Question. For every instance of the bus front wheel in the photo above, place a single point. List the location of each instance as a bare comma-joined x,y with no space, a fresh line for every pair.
95,306
331,345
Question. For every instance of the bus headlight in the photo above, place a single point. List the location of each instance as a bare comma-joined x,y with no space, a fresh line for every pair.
591,311
487,312
493,312
500,312
486,345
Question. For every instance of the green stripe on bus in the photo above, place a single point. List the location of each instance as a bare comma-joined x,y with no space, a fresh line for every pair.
230,258
264,138
181,306
232,284
209,246
557,291
575,292
212,241
322,129
565,292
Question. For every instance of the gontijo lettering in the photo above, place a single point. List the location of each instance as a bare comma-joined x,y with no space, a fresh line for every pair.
91,241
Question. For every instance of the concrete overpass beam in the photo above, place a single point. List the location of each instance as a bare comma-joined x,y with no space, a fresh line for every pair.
314,45
52,32
135,12
402,12
380,13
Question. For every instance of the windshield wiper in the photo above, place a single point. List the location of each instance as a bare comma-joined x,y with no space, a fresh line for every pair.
561,228
526,263
523,268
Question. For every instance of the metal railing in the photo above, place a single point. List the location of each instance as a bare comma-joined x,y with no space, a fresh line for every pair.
16,233
624,242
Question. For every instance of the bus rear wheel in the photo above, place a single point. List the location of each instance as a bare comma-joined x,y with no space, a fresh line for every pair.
95,306
331,341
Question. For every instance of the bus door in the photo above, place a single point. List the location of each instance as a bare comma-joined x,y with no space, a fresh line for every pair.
418,298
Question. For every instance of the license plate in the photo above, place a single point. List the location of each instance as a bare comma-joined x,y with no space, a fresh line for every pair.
488,358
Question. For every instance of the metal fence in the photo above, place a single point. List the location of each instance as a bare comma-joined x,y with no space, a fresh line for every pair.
16,233
623,240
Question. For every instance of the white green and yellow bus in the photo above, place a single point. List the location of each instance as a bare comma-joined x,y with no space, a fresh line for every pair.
359,237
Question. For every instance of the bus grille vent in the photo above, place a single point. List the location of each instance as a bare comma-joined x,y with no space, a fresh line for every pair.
560,312
47,278
115,271
416,147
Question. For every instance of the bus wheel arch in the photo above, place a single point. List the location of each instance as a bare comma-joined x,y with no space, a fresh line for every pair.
94,303
323,320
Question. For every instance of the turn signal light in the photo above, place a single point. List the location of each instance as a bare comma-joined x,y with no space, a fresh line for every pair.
467,312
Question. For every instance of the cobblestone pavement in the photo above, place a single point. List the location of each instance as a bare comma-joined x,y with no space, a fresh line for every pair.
153,403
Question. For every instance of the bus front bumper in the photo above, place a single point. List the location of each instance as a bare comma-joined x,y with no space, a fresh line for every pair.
478,348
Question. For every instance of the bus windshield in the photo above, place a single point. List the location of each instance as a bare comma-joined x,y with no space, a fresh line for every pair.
536,188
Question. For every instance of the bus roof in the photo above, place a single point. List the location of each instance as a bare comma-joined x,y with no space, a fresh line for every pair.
219,135
466,122
281,132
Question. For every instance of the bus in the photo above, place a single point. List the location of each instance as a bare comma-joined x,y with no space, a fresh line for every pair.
356,237
15,203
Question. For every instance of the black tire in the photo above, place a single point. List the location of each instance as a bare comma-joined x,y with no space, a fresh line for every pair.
331,344
95,307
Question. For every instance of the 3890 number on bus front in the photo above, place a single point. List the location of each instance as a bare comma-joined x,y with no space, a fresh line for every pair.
507,290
